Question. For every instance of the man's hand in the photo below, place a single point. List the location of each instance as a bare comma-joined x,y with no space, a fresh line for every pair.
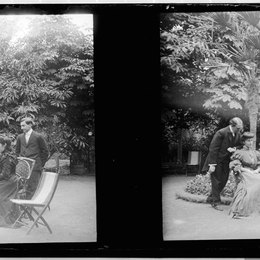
231,149
212,168
237,169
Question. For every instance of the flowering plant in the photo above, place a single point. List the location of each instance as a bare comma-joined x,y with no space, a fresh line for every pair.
201,185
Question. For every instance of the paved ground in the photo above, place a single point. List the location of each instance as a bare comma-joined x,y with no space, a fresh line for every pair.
72,217
183,220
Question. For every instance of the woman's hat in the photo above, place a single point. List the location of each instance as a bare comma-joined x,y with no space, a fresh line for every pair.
247,135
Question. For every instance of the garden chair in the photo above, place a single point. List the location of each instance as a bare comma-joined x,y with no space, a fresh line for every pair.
23,171
40,200
193,164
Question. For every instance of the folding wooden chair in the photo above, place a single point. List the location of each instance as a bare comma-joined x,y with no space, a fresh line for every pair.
23,171
41,199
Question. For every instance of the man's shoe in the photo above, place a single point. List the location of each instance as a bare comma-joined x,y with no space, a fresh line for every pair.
216,205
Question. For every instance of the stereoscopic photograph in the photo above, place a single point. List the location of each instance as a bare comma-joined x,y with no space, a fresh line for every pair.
210,161
47,133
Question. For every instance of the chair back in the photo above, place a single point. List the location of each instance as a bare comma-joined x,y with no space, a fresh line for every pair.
194,158
46,187
24,167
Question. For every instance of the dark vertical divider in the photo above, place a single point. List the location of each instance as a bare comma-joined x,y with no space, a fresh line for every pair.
127,98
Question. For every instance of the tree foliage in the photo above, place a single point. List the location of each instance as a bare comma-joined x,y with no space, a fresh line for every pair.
217,56
183,50
47,73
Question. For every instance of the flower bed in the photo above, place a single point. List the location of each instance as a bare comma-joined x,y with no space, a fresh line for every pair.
199,188
201,185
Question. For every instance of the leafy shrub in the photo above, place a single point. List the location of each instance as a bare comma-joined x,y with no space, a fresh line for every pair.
201,185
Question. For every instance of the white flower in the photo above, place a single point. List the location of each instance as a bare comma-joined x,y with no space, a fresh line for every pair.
176,28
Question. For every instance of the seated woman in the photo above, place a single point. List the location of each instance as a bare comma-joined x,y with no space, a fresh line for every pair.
245,165
8,183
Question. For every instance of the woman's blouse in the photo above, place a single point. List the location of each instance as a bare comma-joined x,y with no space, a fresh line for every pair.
248,158
7,166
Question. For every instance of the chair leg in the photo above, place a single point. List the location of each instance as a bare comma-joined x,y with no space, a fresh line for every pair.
24,211
39,217
29,214
18,219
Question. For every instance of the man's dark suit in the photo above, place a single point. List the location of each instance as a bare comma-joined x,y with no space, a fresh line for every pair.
36,149
218,154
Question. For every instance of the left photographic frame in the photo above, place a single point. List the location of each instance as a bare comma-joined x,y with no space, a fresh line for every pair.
47,74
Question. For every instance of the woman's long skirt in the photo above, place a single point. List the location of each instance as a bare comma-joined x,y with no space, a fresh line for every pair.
247,195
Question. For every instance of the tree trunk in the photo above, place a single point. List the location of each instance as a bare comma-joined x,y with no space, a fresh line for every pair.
253,103
253,110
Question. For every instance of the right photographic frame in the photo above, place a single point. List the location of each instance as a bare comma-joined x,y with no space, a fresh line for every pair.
210,125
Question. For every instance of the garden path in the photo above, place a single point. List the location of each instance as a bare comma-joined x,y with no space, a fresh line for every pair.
184,220
72,215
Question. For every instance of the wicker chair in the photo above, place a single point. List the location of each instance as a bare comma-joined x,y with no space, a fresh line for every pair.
23,171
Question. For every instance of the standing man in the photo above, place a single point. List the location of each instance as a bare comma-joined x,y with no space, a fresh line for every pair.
221,147
32,145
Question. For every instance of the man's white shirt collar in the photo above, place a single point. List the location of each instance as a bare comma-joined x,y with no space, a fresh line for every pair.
28,134
231,130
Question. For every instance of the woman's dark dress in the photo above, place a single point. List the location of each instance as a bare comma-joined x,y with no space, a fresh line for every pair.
247,196
8,189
